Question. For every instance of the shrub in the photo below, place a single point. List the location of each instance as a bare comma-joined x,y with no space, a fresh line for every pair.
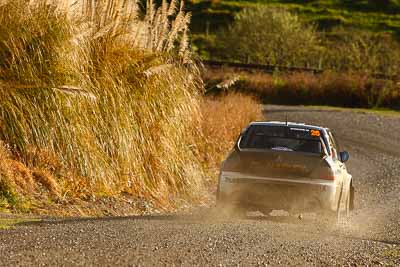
335,89
329,88
271,36
267,35
361,52
386,5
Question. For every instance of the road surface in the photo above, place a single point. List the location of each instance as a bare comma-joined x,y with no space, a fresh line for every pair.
370,237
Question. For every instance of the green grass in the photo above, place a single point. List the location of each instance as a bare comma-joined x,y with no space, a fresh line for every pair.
377,111
332,18
11,223
7,195
393,252
325,14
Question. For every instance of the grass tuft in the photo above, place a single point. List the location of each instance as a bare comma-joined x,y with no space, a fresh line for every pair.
78,108
44,178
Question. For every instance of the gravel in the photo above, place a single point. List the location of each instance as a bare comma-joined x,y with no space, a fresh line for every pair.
370,237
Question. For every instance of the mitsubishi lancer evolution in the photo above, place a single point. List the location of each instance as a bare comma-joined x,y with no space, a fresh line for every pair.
286,166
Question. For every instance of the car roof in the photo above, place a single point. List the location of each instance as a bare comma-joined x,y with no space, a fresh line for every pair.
289,124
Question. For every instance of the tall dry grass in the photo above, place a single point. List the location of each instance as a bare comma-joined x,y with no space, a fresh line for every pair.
19,183
101,97
224,117
349,89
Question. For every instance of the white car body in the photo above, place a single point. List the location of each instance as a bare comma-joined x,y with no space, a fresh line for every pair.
254,178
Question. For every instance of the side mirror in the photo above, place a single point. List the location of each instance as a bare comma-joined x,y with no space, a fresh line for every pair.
344,156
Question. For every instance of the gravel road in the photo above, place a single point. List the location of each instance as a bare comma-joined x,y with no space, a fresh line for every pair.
370,237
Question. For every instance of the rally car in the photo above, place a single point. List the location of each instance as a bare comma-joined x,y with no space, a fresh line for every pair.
286,166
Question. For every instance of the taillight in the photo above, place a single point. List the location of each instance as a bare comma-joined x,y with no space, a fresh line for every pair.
329,177
323,171
327,174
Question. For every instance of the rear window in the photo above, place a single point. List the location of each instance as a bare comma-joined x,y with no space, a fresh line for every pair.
282,138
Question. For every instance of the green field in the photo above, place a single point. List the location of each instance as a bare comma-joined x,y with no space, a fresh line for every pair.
324,14
328,16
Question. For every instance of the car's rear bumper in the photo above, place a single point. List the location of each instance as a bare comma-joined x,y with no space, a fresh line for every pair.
277,193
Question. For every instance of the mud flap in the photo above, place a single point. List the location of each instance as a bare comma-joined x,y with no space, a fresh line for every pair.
352,191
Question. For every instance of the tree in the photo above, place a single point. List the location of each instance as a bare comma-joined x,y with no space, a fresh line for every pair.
271,36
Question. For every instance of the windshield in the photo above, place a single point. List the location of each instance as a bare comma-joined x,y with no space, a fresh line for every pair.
283,138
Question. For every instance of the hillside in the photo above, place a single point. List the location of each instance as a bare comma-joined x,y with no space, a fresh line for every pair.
329,16
351,43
